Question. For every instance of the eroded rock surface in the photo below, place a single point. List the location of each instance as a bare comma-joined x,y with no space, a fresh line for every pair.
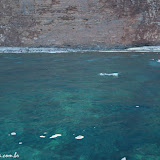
79,23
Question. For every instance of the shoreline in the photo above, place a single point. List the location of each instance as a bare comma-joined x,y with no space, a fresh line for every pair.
30,50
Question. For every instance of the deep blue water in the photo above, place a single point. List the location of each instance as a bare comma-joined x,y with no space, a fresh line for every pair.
64,94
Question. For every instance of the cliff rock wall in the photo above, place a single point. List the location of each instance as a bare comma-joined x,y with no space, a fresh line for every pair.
79,23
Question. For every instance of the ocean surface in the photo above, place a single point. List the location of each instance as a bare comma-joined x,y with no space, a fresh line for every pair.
111,101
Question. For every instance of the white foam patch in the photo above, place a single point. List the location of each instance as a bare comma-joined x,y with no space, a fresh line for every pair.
55,136
45,132
137,106
43,136
20,142
13,133
124,158
145,48
158,60
109,74
79,137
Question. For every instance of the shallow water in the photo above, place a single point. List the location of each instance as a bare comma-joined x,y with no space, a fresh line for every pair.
65,94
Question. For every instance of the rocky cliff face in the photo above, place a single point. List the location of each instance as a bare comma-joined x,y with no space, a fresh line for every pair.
79,23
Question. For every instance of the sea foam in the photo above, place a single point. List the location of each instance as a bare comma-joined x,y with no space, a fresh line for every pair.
109,74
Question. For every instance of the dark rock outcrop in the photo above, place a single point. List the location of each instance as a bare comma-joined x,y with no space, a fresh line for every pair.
79,23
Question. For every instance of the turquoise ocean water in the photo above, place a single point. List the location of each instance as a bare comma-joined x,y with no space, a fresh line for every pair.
48,94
